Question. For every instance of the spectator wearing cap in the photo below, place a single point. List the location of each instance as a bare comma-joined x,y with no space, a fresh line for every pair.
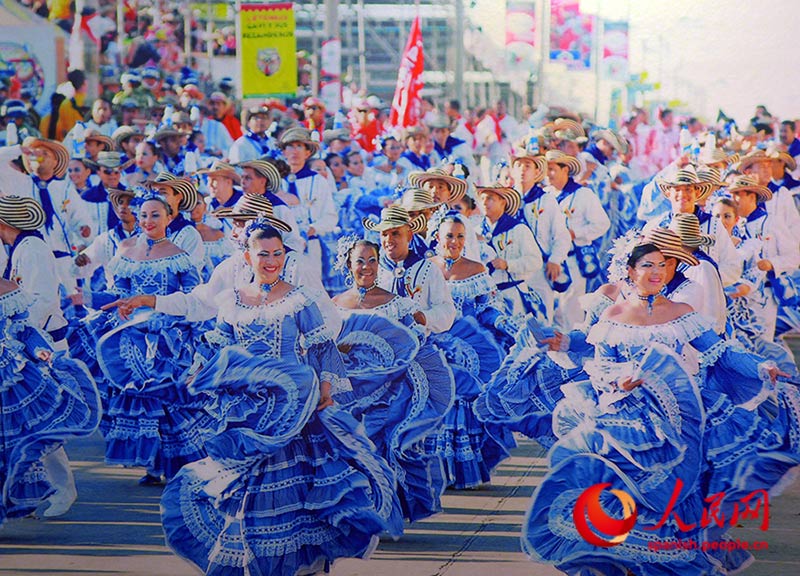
15,112
66,223
314,115
223,111
151,81
255,143
65,107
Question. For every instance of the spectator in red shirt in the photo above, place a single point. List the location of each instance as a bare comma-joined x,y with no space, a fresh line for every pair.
222,111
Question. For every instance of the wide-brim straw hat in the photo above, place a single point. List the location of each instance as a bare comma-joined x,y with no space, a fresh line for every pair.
538,159
562,159
184,186
250,207
395,216
267,170
774,153
670,245
710,176
612,138
687,226
686,176
24,214
298,134
107,143
124,133
750,184
116,194
458,187
57,148
415,199
413,131
568,124
167,132
512,198
223,170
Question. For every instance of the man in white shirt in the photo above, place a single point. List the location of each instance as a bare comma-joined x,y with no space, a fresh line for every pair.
406,274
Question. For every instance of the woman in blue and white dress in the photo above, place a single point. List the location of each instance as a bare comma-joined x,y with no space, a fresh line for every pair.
402,384
290,478
45,398
671,415
144,360
470,448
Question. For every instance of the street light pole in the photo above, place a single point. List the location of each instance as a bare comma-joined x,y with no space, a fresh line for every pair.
459,40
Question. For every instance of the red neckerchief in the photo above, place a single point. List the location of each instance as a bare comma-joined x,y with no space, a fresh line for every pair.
497,130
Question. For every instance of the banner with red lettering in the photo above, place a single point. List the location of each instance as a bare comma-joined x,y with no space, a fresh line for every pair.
407,101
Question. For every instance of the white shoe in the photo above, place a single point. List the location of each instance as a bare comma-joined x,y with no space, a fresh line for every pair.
61,502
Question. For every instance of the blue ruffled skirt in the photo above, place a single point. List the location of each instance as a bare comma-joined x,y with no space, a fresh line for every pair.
469,448
285,489
154,422
41,405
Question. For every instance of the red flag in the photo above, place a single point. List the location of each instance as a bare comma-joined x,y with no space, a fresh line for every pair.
407,102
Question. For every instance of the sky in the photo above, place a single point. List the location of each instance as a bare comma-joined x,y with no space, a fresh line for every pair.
711,54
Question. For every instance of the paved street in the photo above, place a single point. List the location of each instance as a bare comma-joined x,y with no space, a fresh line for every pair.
114,528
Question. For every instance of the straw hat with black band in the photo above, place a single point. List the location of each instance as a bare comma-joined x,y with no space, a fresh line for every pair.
123,133
750,184
416,199
458,187
670,245
105,141
686,176
250,207
687,226
394,217
300,135
512,198
24,214
710,175
538,160
222,169
267,170
116,194
183,186
558,157
767,156
56,148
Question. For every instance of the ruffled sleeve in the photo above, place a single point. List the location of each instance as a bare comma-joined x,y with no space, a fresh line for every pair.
188,279
321,351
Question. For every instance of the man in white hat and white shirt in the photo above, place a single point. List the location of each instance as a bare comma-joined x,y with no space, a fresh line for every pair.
771,248
67,223
406,274
683,190
586,221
